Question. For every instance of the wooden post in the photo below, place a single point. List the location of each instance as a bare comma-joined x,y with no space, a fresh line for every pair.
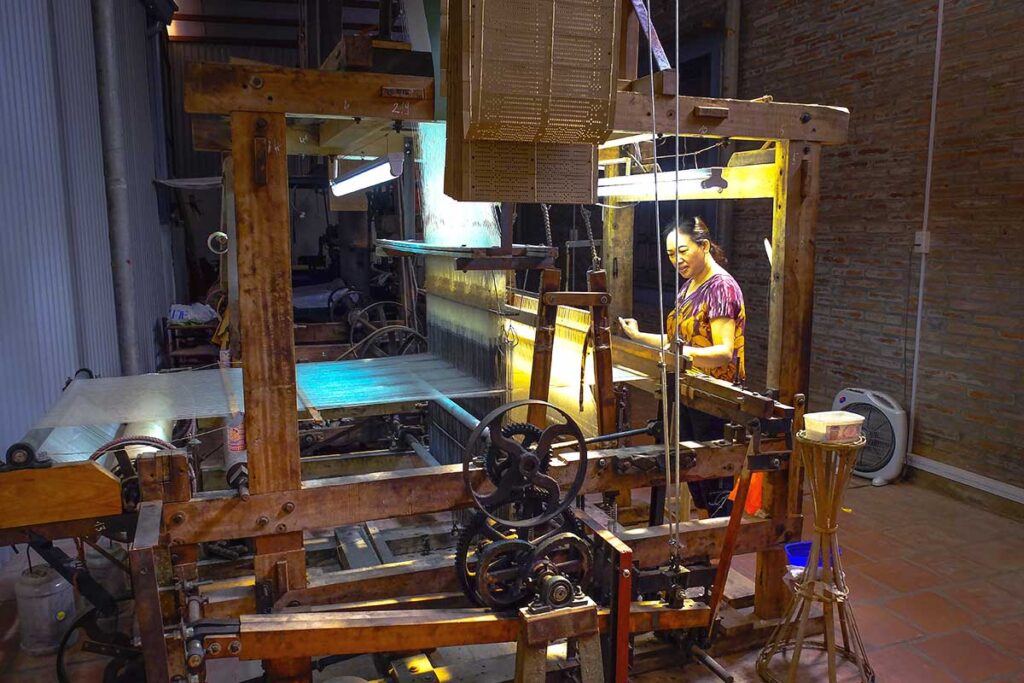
791,299
617,242
259,153
543,346
600,325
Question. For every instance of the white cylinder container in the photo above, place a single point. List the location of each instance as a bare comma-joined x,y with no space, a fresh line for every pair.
46,605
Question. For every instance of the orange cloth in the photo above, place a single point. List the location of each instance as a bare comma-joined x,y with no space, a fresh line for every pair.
754,496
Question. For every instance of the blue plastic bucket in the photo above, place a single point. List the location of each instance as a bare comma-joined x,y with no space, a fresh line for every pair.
797,553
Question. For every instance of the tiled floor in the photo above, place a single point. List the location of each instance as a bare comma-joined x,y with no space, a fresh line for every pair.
937,588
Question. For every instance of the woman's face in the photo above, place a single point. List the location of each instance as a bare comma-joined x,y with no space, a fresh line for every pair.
687,256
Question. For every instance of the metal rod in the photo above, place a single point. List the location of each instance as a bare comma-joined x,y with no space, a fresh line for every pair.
458,412
639,431
425,455
709,662
115,170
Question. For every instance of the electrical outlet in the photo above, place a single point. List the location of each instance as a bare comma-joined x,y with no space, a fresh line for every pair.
922,242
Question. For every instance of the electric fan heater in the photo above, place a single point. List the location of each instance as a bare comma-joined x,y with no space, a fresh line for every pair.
885,426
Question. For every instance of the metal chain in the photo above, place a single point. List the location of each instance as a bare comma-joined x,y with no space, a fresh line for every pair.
546,209
585,212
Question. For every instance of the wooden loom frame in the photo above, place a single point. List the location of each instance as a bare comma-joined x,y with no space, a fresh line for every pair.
171,523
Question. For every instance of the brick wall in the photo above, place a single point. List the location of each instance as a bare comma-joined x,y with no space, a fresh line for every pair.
876,58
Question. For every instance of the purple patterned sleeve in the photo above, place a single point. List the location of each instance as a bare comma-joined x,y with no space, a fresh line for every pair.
724,299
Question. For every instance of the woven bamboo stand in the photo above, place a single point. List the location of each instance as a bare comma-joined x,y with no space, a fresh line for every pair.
827,468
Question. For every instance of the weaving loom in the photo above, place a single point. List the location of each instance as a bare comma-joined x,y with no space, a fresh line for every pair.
531,492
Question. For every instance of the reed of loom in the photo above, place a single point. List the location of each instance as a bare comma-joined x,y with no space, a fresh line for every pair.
827,468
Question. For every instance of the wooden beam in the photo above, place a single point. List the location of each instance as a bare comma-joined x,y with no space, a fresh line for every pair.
268,346
629,42
704,537
791,302
64,492
213,134
745,120
226,88
325,633
142,556
328,503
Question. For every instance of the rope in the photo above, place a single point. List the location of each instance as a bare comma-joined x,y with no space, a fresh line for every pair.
585,212
546,209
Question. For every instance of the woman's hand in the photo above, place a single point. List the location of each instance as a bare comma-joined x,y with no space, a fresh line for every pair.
630,327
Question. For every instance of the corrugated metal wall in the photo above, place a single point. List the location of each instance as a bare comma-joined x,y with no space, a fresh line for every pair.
55,281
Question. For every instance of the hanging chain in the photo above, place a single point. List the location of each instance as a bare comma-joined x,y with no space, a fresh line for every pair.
546,209
585,212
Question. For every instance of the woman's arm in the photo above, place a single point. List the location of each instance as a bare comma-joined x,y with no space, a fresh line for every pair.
629,326
723,336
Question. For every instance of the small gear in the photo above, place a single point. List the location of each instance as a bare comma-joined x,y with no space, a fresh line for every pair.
496,462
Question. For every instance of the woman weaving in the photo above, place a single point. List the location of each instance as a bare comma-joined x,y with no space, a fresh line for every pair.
708,322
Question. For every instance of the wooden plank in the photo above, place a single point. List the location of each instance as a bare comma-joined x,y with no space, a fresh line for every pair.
364,137
328,503
224,88
268,345
746,120
791,300
704,537
396,579
60,493
739,591
354,548
324,633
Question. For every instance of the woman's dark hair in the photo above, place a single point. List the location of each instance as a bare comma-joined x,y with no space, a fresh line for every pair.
697,230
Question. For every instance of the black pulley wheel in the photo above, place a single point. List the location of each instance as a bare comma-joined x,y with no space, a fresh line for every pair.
522,467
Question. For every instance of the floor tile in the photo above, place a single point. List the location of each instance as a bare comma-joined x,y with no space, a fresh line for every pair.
953,566
873,545
902,575
901,664
864,589
880,627
1008,634
930,612
1003,554
986,600
967,657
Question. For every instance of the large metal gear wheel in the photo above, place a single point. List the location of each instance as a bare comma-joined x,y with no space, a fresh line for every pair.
521,468
481,531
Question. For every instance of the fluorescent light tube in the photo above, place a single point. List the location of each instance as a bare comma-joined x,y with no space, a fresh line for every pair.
374,173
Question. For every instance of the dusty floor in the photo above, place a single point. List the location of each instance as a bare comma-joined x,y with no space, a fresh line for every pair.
937,587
